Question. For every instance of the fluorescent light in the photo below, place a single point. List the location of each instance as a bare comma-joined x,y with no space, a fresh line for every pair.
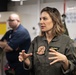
15,0
21,1
18,0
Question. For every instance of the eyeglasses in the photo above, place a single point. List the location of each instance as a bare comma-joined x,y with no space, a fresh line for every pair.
10,20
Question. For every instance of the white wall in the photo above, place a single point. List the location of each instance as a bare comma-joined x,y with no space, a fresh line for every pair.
29,18
30,15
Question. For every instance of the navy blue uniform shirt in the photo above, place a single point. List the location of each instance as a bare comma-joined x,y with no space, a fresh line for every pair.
18,40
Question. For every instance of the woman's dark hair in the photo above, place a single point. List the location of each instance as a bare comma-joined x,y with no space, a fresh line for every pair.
58,27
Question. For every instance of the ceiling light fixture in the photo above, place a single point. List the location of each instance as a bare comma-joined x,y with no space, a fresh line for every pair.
15,0
18,0
21,1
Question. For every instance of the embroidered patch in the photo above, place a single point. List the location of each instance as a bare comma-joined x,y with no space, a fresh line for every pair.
41,50
55,48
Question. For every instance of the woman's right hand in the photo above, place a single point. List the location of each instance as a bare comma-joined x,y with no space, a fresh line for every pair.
23,56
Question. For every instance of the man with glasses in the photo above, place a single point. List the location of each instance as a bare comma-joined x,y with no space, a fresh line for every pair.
12,43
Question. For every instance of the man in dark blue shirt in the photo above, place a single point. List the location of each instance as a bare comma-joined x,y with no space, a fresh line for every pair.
13,42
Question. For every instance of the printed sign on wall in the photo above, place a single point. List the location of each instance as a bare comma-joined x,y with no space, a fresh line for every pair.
71,21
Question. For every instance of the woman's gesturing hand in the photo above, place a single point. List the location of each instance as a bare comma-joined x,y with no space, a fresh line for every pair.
58,57
23,55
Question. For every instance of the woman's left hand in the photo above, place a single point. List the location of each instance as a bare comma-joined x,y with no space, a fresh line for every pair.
58,57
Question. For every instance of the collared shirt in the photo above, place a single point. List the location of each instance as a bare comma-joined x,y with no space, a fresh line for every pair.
41,64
